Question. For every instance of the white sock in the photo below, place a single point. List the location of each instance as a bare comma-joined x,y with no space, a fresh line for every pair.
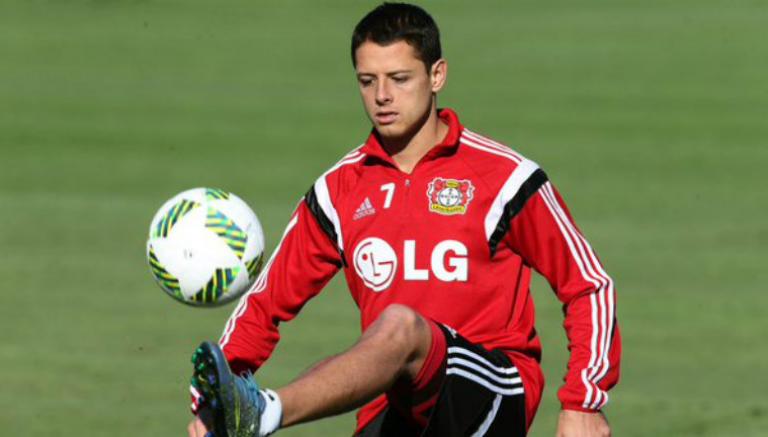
272,414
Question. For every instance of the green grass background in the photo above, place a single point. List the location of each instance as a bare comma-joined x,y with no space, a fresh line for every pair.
651,116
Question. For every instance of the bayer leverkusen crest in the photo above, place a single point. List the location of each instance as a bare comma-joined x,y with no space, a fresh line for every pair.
449,196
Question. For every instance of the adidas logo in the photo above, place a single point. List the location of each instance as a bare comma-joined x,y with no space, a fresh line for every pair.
365,209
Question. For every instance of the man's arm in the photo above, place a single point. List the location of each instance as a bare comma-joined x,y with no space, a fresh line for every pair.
544,234
304,261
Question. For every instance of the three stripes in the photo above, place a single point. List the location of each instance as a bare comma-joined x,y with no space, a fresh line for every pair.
503,381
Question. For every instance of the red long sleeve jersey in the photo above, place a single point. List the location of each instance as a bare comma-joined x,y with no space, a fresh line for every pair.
455,240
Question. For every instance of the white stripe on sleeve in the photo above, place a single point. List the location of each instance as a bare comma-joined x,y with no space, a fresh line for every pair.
510,188
258,286
601,309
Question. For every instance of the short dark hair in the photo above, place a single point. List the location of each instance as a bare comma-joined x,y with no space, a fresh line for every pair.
393,22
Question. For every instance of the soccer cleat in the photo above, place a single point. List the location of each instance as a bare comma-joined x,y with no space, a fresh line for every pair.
234,402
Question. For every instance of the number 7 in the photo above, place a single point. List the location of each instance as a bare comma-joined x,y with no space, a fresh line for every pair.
390,189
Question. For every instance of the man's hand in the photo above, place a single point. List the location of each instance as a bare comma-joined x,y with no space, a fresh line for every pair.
578,424
196,428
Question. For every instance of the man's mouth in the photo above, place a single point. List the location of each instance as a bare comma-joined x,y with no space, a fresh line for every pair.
385,117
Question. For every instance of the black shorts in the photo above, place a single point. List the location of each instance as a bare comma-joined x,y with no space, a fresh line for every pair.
481,394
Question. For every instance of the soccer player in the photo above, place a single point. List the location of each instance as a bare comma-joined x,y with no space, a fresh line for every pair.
436,229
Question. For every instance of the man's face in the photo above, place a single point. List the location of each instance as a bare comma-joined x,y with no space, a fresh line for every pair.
396,87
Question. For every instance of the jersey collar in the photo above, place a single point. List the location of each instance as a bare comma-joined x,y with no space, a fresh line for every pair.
373,149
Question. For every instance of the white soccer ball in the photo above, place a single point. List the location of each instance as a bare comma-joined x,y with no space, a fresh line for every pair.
205,247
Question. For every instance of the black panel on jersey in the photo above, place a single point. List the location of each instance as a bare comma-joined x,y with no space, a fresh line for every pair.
325,223
515,205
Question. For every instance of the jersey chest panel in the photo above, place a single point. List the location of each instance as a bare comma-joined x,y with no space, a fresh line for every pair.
407,235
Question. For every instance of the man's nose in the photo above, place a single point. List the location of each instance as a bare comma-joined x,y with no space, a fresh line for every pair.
383,94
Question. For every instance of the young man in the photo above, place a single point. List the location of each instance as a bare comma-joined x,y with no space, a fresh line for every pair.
436,229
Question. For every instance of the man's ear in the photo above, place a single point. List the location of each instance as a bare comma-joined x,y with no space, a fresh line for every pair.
438,74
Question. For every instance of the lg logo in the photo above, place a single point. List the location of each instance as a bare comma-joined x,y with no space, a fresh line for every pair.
376,262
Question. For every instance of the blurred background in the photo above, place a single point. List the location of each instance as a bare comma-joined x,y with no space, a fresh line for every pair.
651,117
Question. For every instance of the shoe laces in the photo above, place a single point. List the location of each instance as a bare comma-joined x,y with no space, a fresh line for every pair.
248,386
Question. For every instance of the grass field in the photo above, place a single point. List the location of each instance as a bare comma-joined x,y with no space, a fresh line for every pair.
651,116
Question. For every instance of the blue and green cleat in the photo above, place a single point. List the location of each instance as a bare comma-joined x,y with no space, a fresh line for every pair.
234,402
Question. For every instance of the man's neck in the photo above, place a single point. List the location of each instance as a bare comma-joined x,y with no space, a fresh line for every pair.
408,152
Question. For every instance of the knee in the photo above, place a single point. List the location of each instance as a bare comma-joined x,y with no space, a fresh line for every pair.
400,324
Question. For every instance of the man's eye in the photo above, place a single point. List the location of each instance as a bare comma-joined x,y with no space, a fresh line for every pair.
400,79
365,82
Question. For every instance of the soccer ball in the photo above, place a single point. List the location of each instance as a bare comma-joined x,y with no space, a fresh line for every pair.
205,247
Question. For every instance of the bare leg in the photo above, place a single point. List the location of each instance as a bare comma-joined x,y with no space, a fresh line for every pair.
393,348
